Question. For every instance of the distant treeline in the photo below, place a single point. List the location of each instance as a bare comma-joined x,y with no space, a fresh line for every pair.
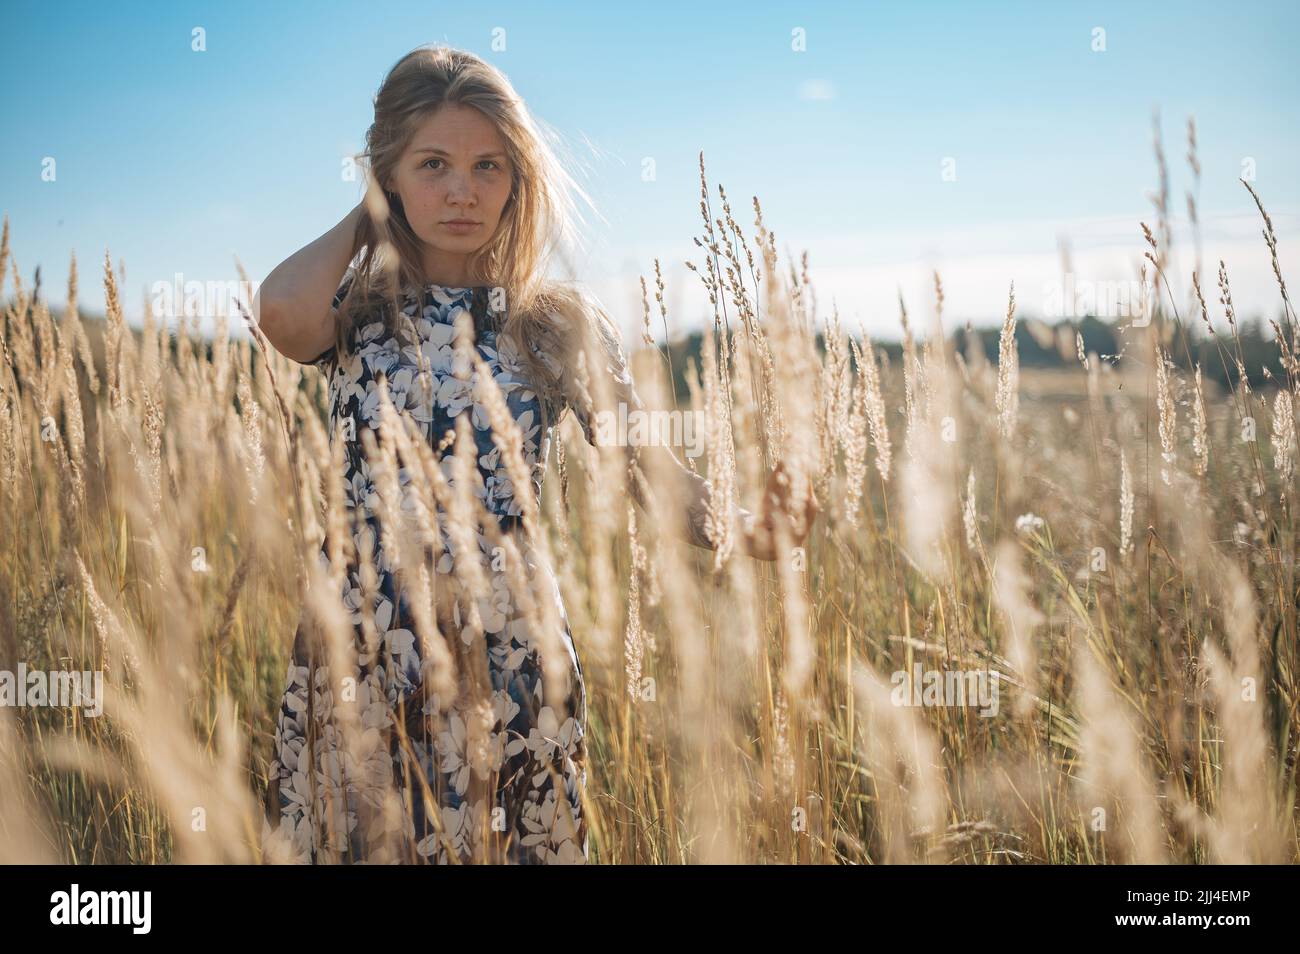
1190,344
1054,346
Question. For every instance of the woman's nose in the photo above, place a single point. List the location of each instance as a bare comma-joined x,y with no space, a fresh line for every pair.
460,189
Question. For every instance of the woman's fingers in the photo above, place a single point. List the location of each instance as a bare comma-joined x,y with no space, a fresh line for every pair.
778,502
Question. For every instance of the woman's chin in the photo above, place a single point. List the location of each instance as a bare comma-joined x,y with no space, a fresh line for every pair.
452,244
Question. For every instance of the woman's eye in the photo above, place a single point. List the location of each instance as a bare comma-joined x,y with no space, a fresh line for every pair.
490,162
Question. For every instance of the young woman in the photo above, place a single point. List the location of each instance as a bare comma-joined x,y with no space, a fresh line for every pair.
472,201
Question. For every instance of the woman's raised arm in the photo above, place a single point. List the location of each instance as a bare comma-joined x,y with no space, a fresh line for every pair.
292,306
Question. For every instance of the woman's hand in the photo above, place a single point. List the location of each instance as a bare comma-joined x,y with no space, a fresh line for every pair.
778,509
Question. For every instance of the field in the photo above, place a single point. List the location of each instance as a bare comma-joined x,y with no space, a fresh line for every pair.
1105,556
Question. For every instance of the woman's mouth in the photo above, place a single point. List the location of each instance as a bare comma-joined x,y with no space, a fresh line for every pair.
461,226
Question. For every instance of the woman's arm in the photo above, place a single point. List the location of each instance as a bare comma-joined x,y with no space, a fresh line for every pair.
292,306
688,494
756,533
692,494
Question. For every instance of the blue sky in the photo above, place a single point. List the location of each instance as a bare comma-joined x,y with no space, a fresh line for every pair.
177,161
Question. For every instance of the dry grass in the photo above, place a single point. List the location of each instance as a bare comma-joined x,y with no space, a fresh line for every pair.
1143,627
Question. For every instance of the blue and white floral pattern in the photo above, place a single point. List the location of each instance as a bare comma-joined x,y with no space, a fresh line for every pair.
523,752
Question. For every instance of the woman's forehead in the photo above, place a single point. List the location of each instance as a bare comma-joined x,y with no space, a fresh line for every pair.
457,132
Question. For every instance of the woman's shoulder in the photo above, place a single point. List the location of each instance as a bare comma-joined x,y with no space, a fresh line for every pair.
571,316
366,304
578,339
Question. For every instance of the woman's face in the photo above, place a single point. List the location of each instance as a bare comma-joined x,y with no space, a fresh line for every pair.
455,170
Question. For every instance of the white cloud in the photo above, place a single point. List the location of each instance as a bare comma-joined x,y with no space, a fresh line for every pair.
817,89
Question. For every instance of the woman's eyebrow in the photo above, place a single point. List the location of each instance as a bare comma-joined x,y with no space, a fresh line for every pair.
433,150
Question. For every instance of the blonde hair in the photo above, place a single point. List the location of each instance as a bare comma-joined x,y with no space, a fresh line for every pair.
538,217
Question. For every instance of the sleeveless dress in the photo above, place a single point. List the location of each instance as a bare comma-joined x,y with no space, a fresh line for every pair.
326,800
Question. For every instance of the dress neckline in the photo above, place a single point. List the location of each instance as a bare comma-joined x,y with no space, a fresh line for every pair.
449,289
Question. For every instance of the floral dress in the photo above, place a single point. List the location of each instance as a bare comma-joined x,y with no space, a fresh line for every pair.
518,759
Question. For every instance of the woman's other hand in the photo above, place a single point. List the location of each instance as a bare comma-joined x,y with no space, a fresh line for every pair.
777,508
